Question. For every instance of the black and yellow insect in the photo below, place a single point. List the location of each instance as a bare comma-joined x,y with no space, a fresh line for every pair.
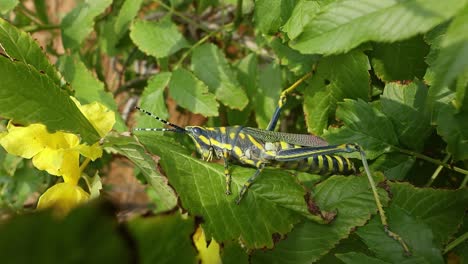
260,148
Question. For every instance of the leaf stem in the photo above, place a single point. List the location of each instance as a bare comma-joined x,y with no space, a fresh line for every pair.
35,28
429,159
437,171
456,242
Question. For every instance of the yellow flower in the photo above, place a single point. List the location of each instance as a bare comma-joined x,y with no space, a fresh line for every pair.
59,154
62,197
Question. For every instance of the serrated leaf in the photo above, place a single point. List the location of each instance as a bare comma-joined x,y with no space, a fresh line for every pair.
210,66
191,93
232,253
272,204
269,16
303,12
336,78
164,239
28,96
153,100
425,218
51,240
127,12
453,127
21,46
159,39
343,25
77,24
405,105
269,90
130,148
403,60
364,125
87,88
452,58
354,203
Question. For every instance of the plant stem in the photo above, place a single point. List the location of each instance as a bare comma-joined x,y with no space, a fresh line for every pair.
198,43
429,159
84,164
456,242
437,171
184,17
35,28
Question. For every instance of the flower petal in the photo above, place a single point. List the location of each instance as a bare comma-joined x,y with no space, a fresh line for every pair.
62,197
100,117
60,162
93,152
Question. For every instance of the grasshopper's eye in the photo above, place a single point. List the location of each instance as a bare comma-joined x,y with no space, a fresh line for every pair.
197,130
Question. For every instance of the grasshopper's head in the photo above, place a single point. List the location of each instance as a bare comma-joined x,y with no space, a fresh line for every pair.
201,137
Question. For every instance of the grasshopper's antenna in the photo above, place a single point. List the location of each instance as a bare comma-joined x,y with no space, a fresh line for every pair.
175,128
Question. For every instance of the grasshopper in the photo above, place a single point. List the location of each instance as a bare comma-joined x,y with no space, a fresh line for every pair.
259,148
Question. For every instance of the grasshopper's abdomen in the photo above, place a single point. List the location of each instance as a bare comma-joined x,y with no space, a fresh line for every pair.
319,164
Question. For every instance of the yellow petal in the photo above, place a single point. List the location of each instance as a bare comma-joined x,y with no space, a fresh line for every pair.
29,140
93,152
62,197
206,254
60,162
100,117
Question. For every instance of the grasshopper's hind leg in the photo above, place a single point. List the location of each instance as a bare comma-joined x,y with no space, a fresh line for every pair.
249,182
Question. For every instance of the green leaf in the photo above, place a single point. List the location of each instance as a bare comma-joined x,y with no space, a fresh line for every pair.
364,125
395,166
405,105
343,25
357,258
77,24
88,88
452,58
352,199
69,240
28,96
269,90
272,204
303,12
130,148
403,60
21,46
232,253
271,15
127,12
164,239
298,63
425,218
210,66
453,128
246,72
153,100
191,93
7,5
158,39
336,78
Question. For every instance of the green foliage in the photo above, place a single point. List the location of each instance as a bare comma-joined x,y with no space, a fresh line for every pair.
389,75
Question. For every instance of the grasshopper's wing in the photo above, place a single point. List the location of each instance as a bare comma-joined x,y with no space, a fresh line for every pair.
296,139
